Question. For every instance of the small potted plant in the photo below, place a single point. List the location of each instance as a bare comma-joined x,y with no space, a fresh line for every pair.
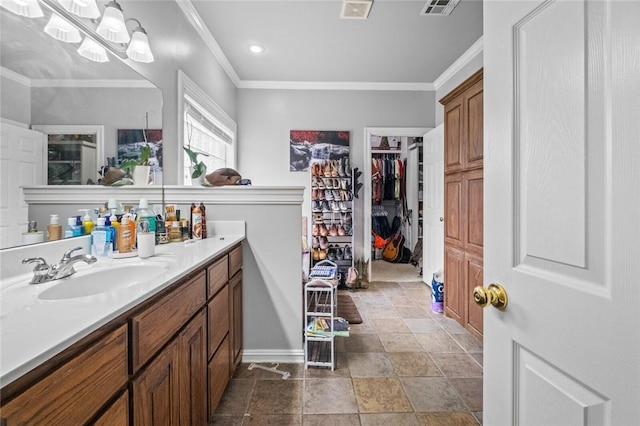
198,168
138,169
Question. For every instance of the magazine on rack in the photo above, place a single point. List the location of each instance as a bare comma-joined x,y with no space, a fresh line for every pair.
319,326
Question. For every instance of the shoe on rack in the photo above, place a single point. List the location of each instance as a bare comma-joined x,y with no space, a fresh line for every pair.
336,195
322,254
317,217
341,231
352,278
341,167
348,255
316,207
315,242
334,206
334,168
326,168
322,230
347,167
339,253
331,253
316,254
345,218
328,195
328,183
325,206
323,242
342,206
315,230
333,230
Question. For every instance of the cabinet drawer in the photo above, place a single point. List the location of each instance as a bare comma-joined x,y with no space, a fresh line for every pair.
218,376
152,328
76,391
117,414
217,275
218,319
235,260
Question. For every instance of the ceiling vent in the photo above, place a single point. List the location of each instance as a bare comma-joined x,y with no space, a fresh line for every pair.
356,9
439,7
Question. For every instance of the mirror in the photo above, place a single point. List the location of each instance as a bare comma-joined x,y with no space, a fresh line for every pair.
47,85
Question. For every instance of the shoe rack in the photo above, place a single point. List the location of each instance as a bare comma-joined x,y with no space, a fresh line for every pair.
332,213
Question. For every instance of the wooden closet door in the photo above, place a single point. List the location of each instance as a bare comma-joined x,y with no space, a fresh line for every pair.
453,136
473,127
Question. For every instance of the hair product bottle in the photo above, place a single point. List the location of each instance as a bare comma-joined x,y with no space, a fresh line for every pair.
203,209
54,230
196,222
125,236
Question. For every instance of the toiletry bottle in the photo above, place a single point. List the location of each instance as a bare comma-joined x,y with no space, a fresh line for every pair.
175,234
196,223
72,229
32,235
101,239
125,237
87,222
204,220
146,240
79,229
145,213
54,229
112,232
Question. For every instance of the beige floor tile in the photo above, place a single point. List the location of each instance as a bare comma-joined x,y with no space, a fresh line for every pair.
431,394
423,325
413,312
446,419
226,420
235,400
404,300
377,312
329,396
437,342
470,390
273,420
331,420
276,397
390,325
414,364
469,342
386,419
380,395
363,343
457,365
400,342
370,364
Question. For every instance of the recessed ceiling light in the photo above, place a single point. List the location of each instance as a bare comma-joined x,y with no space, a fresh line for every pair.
256,48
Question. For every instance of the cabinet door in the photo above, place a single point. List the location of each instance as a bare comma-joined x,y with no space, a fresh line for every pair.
235,317
156,392
454,286
473,217
473,127
192,347
453,136
218,375
117,414
218,319
474,278
454,217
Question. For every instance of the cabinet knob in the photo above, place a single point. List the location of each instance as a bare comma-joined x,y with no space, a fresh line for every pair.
441,219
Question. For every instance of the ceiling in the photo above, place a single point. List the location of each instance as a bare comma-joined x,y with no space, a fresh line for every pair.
307,41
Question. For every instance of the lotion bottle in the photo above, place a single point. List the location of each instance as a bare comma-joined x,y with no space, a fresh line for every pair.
54,230
87,222
125,236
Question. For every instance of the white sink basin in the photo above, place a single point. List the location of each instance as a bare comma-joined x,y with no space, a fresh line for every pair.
92,281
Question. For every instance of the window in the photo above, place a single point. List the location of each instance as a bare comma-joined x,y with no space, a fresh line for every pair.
206,129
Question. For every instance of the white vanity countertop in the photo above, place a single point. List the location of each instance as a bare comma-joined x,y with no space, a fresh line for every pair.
33,330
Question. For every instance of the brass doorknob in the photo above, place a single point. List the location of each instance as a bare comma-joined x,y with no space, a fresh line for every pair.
494,295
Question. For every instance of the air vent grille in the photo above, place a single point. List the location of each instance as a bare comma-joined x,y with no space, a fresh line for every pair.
439,7
356,9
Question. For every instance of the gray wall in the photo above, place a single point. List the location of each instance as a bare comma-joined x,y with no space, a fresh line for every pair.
15,102
265,118
465,72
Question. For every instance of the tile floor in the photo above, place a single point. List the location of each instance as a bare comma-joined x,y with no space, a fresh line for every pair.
404,365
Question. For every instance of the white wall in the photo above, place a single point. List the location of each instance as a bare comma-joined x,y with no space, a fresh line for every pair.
454,81
15,102
265,118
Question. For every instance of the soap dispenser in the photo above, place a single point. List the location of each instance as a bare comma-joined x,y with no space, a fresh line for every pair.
87,222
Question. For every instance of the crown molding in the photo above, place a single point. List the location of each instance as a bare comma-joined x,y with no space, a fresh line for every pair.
196,21
475,49
335,85
128,84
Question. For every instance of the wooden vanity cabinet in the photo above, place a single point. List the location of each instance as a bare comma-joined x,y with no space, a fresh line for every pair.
77,390
167,361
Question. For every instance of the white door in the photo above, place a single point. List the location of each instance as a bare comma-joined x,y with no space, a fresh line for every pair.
433,205
562,185
21,154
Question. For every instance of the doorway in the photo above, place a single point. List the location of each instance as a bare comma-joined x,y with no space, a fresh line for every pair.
398,144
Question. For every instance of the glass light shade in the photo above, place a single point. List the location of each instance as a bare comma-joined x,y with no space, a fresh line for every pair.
62,30
139,49
93,51
28,8
112,25
81,8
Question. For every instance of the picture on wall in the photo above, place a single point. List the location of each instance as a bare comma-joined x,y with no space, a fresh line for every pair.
306,146
130,142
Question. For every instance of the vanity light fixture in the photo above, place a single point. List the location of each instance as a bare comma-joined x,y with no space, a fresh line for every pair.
60,29
93,51
139,49
256,48
112,26
82,8
28,8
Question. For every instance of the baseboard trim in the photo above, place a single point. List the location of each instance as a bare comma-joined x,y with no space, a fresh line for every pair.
273,355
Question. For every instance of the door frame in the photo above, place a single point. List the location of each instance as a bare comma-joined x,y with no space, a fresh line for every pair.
366,178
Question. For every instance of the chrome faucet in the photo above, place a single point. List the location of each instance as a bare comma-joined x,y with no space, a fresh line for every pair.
43,272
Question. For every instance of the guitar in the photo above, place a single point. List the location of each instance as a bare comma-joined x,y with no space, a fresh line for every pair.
393,249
